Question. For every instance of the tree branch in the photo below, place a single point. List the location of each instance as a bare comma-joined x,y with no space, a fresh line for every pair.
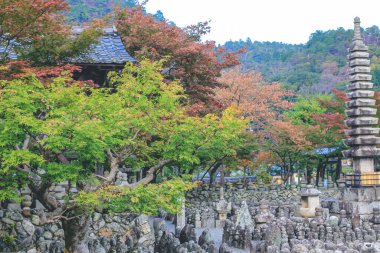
150,174
62,158
124,153
216,161
26,142
114,166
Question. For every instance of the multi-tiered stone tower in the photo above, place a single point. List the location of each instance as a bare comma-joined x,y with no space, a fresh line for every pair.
361,112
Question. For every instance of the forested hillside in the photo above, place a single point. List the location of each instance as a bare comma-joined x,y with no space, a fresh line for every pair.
311,68
85,10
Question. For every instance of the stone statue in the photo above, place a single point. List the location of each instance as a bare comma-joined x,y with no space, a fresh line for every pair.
244,218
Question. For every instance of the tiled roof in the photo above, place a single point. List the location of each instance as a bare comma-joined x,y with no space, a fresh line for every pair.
11,55
325,150
109,50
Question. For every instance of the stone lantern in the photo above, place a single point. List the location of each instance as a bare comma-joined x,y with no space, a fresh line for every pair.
309,201
223,207
361,110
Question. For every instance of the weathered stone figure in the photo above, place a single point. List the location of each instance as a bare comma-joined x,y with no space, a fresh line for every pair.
361,112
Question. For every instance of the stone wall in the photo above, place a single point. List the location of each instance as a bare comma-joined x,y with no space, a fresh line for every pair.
108,233
259,219
202,201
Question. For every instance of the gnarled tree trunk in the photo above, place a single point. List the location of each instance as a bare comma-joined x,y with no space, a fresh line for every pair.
76,234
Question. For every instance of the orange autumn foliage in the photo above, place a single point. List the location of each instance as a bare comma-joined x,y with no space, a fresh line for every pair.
332,121
196,65
259,101
288,134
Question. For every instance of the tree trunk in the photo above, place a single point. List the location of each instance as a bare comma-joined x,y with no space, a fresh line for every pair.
76,234
244,176
155,176
309,172
319,171
338,169
298,176
213,173
222,182
292,179
323,173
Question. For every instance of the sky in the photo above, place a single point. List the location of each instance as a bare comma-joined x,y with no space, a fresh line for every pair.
288,21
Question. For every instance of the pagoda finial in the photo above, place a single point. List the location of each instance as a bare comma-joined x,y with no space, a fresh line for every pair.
357,32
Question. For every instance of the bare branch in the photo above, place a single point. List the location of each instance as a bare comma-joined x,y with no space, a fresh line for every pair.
150,174
62,158
125,151
99,176
26,142
114,166
57,215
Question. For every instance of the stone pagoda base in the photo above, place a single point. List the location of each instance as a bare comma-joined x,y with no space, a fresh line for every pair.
361,200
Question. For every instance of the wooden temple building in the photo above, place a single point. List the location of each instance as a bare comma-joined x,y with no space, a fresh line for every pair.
106,55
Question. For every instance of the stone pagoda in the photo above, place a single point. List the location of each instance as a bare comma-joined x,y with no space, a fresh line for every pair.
361,112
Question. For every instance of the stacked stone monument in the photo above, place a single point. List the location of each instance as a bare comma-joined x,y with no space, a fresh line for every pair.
361,120
361,112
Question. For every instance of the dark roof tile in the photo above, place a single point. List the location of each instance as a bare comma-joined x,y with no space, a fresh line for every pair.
109,50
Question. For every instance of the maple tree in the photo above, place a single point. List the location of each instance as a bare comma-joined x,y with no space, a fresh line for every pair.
196,65
263,104
17,69
63,131
331,120
36,30
324,117
286,144
259,101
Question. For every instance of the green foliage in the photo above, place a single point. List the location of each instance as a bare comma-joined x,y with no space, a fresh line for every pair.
58,47
264,177
9,183
147,199
81,122
37,31
346,170
85,10
64,130
8,240
302,111
218,137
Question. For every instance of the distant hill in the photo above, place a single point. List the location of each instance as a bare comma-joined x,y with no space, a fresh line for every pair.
85,10
312,68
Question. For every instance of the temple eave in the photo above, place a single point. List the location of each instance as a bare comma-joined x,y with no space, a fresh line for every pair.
361,121
361,85
361,153
362,131
367,140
